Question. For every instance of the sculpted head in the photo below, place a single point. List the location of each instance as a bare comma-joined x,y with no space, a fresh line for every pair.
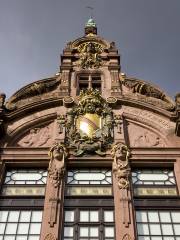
58,152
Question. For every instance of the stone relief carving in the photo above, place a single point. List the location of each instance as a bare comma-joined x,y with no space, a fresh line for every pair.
58,154
140,137
90,55
37,137
127,237
89,125
147,93
50,236
121,153
30,91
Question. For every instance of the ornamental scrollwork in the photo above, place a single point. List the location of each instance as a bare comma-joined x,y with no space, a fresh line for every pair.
89,125
90,55
121,153
58,154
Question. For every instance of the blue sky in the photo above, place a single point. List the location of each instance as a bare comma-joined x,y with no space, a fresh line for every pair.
33,34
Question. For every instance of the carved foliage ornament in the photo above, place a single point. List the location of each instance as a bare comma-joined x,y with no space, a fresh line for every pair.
89,125
58,154
121,153
90,55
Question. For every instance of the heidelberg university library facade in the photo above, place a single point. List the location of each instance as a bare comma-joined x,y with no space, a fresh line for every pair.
90,154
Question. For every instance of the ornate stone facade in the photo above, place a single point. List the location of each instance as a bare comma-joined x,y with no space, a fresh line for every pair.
90,116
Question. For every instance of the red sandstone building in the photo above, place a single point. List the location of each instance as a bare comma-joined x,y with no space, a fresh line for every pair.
90,154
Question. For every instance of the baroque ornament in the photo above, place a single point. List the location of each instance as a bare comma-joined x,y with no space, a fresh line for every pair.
121,153
89,125
90,55
58,154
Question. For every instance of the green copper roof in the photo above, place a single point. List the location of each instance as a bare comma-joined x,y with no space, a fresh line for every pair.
90,23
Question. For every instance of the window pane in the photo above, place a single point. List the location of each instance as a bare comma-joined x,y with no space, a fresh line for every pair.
25,216
11,228
13,216
94,216
175,217
9,237
84,231
165,217
69,216
84,216
177,229
33,238
36,216
21,237
167,229
153,217
143,229
68,232
109,231
108,216
3,216
141,216
23,228
35,228
155,229
2,228
94,232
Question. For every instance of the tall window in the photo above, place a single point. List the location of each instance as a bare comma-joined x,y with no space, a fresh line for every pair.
86,81
156,218
22,200
89,210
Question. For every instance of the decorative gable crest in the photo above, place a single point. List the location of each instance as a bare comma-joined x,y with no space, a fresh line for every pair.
89,124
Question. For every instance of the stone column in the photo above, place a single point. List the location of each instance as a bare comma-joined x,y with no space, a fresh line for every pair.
124,220
54,198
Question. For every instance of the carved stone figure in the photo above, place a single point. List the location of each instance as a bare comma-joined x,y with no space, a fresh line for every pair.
121,154
37,137
56,169
177,99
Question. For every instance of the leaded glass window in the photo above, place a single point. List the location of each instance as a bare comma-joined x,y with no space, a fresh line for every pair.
89,182
158,225
153,177
89,224
89,176
20,225
154,182
24,182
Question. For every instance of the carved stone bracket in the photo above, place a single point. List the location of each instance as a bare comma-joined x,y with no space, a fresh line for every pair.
57,153
121,153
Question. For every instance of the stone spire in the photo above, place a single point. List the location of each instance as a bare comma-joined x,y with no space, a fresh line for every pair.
90,27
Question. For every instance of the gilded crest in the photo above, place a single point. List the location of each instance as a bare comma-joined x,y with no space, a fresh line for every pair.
90,55
89,124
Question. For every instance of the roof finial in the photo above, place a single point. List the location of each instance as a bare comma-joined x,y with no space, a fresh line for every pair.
90,27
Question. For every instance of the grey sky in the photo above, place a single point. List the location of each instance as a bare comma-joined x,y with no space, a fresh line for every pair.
33,34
